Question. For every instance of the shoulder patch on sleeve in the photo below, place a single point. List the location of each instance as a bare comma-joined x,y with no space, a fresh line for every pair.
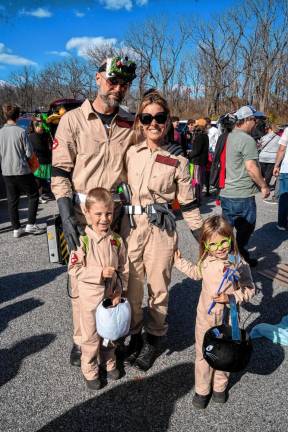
74,258
124,123
55,144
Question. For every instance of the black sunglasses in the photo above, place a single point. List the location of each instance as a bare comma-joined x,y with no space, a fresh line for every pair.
146,118
116,81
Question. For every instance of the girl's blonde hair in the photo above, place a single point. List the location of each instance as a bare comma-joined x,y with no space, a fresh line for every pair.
216,225
152,96
98,194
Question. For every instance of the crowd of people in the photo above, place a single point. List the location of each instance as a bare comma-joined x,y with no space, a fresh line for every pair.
120,247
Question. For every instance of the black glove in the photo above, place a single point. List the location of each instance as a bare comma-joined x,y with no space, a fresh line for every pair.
163,218
174,148
71,228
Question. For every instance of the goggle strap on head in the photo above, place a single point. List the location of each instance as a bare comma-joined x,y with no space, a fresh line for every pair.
117,67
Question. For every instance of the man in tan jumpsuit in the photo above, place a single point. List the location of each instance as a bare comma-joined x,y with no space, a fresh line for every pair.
88,152
154,177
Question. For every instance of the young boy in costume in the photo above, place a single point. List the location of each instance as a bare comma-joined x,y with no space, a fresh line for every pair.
100,258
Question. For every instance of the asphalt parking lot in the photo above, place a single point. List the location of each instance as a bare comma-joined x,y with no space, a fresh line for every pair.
40,391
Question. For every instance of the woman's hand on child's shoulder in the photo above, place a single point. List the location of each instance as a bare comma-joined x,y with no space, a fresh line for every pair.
108,272
177,255
222,298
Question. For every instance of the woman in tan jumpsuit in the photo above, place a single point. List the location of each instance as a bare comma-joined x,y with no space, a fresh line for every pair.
156,178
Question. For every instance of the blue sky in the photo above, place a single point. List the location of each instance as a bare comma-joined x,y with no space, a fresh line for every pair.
36,32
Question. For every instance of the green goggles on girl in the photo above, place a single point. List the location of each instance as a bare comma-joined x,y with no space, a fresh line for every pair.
223,244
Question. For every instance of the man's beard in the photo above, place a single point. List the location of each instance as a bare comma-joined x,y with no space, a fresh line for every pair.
110,101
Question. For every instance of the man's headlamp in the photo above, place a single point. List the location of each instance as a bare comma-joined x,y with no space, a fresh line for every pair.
119,67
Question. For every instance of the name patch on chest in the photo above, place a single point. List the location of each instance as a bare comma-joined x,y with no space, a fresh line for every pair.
167,160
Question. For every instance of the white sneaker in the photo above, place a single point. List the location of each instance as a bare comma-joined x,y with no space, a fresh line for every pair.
34,229
42,200
18,233
281,228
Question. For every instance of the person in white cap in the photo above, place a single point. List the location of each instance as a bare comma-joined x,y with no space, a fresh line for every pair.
243,179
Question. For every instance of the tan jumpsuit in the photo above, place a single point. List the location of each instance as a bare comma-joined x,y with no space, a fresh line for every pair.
151,250
88,155
86,265
211,273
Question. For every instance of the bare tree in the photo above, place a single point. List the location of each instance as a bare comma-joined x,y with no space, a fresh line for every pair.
217,50
70,78
265,51
158,45
24,84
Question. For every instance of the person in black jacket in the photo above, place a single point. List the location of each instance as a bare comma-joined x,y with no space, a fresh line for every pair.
227,123
41,143
198,156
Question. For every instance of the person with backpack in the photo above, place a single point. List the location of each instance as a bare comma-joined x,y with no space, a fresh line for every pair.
100,257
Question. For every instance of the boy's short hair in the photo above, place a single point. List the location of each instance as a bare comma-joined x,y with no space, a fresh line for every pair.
11,111
98,194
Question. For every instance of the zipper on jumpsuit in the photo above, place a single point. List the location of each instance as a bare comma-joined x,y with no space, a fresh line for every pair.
107,143
140,185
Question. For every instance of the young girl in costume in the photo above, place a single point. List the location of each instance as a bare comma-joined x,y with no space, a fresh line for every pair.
218,252
101,254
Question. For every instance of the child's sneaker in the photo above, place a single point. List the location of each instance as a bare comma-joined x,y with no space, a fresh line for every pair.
18,232
34,229
113,375
93,384
199,401
219,397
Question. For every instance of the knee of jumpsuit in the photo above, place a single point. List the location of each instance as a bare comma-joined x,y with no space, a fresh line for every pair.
135,290
75,310
203,372
80,216
158,261
89,299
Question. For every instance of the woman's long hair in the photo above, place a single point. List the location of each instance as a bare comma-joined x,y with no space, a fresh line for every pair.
216,225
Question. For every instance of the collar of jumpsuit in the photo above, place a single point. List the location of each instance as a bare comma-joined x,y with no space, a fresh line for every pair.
97,237
89,112
143,145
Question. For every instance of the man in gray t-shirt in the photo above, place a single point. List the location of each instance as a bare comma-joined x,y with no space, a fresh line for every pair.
243,175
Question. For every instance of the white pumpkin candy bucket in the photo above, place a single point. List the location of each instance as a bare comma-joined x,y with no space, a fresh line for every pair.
113,322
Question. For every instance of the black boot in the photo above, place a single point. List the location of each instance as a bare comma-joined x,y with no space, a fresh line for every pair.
75,355
134,348
149,352
200,401
93,385
220,397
